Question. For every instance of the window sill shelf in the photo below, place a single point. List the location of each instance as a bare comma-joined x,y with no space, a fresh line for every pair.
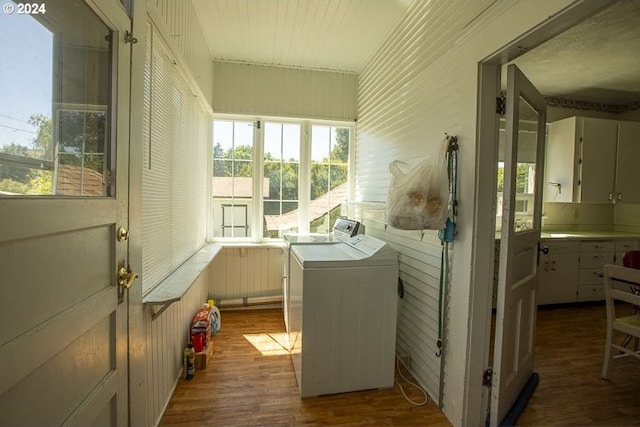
176,285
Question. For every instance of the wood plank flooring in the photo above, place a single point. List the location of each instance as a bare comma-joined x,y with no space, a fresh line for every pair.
242,386
569,352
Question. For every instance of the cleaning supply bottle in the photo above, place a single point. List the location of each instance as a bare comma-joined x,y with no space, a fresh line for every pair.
215,320
189,362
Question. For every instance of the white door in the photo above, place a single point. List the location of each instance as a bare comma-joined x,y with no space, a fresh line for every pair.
516,305
63,317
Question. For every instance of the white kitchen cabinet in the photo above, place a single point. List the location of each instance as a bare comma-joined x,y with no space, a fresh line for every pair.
627,188
593,256
592,160
557,272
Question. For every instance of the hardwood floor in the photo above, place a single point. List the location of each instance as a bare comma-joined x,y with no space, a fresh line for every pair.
569,352
243,386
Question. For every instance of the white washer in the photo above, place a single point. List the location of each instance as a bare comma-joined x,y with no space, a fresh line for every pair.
343,315
343,228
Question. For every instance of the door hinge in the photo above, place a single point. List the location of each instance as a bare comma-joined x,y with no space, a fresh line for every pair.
487,377
257,124
501,105
128,38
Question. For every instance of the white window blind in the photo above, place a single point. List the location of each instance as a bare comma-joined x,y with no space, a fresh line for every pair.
174,179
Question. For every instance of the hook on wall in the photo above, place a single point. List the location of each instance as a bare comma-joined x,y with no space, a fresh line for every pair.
557,185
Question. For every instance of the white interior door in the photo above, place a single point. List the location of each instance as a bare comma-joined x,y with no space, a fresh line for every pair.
522,203
63,318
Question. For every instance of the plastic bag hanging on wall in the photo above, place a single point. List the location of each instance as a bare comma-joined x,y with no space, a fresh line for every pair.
418,198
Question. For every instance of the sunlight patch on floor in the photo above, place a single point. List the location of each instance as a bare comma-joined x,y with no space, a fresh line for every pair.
269,344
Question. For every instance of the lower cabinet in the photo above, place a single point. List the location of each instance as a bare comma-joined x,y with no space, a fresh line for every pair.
557,272
571,270
593,256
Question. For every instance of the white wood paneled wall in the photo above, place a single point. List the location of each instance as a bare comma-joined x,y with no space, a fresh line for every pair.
166,336
165,340
247,272
419,264
180,24
408,98
286,92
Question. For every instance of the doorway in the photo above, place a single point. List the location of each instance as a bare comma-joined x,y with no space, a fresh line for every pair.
487,140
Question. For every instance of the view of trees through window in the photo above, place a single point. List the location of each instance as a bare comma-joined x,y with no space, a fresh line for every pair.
232,185
75,167
282,169
329,174
54,108
281,174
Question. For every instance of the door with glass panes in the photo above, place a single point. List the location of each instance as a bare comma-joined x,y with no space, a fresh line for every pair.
63,203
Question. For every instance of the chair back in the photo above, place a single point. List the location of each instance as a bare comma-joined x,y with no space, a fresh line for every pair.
619,283
624,276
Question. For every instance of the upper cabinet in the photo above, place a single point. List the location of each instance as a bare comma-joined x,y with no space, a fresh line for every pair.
592,161
628,163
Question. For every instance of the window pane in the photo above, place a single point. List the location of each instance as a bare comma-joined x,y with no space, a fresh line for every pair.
526,166
320,143
319,180
338,176
232,185
329,175
55,108
281,170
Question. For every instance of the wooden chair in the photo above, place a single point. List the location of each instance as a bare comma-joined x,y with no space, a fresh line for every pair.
618,282
631,259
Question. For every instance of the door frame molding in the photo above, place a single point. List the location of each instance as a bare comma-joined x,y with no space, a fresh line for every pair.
476,396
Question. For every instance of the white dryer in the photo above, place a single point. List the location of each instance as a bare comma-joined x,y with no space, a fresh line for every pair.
343,302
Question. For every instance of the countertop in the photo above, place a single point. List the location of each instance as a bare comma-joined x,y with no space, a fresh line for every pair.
589,235
585,235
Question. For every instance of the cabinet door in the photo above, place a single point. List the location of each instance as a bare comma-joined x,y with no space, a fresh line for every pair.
557,272
597,160
557,278
561,161
628,169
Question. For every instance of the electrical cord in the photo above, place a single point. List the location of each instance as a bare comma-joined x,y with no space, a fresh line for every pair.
426,397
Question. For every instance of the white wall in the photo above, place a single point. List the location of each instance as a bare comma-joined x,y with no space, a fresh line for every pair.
284,92
249,272
179,23
423,83
165,340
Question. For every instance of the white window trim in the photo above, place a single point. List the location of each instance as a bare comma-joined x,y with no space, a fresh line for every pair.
304,176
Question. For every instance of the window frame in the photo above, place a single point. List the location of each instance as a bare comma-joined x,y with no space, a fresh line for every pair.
304,176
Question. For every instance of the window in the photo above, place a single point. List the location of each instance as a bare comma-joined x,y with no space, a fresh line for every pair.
303,174
176,132
55,107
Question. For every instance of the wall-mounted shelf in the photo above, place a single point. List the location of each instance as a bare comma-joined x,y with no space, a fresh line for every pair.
177,284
